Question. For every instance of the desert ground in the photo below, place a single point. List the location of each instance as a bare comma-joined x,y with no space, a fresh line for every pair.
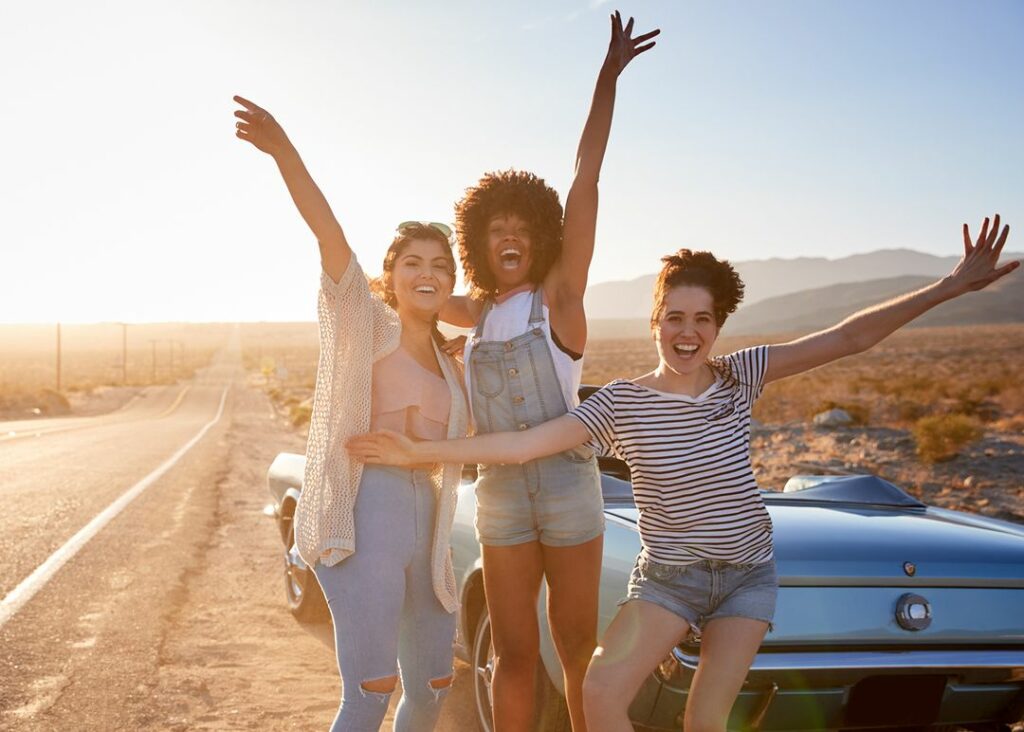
937,411
172,617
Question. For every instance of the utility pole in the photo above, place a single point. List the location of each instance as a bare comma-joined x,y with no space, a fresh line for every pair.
124,353
58,358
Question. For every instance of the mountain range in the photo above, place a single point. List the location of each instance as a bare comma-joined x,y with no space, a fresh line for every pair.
808,293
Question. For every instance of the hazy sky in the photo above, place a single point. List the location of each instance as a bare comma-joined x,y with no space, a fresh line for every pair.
755,129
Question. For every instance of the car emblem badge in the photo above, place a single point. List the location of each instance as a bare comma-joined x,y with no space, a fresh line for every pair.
910,568
913,612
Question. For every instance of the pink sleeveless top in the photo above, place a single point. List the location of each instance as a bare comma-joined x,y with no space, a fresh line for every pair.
408,398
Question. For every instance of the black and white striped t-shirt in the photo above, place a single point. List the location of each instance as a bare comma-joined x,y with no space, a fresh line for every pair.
690,462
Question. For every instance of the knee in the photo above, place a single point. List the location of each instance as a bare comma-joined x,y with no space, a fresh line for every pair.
575,640
442,683
516,657
429,692
384,685
516,661
602,693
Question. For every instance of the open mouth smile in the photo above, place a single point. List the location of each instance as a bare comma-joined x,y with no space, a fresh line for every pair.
510,258
686,350
426,289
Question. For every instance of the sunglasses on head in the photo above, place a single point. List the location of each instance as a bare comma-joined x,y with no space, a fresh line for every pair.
443,228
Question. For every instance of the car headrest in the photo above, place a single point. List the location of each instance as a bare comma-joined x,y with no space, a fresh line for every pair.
864,489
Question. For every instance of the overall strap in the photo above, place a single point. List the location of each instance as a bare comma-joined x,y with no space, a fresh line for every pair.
478,329
537,307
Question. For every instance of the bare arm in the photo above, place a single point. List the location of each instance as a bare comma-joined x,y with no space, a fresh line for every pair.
461,311
977,269
258,127
496,448
567,280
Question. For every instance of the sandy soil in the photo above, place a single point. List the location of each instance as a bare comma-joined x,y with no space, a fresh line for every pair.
987,477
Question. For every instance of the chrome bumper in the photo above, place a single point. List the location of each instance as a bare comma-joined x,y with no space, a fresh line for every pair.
811,690
880,661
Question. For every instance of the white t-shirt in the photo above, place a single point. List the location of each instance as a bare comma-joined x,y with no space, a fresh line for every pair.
511,318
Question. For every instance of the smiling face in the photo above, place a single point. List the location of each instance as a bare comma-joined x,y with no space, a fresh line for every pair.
423,277
509,250
686,330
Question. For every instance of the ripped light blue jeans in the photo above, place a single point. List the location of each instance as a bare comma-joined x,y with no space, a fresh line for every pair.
384,608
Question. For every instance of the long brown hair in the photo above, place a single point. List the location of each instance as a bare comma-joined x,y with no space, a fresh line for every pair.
384,288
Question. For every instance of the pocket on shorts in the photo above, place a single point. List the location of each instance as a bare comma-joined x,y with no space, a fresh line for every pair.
664,574
760,574
488,374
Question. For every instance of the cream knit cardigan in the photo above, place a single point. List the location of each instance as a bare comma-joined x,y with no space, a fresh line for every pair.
356,329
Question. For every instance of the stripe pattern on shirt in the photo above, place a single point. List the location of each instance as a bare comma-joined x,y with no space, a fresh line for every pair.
689,458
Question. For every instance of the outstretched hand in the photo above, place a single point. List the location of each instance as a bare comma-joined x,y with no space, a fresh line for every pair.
979,267
257,126
384,447
623,48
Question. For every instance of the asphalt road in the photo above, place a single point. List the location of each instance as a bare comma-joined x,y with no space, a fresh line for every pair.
171,615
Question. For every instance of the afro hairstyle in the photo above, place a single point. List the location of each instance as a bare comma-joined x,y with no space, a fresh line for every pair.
503,193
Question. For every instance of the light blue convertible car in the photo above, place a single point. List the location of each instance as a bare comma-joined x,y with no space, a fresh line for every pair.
891,614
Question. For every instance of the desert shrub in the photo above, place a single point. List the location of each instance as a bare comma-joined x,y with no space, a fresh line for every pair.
300,413
910,411
941,436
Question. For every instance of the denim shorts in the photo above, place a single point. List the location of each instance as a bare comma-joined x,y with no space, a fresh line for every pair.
554,500
706,590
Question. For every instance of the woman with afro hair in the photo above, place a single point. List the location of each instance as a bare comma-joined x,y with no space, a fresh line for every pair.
707,565
527,270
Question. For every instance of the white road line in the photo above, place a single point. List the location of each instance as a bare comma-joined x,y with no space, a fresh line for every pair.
24,592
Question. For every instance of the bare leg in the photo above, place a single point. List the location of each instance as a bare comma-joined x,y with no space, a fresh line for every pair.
574,574
638,639
512,576
727,648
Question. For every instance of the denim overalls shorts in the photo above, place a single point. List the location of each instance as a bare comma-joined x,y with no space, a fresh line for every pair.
555,500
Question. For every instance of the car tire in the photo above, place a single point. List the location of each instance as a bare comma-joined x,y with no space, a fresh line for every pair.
302,591
551,712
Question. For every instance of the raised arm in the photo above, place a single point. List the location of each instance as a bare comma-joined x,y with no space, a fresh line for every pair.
258,127
496,448
978,268
567,280
462,311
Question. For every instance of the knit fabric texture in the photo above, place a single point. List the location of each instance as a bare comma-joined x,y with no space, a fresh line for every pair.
356,329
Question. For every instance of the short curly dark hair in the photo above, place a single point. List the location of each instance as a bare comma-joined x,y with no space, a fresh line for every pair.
501,193
701,269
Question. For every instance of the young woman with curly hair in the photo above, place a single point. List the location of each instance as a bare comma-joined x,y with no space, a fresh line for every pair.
707,564
381,365
527,269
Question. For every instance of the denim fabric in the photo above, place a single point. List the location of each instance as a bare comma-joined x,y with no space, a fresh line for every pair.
555,500
706,590
384,608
